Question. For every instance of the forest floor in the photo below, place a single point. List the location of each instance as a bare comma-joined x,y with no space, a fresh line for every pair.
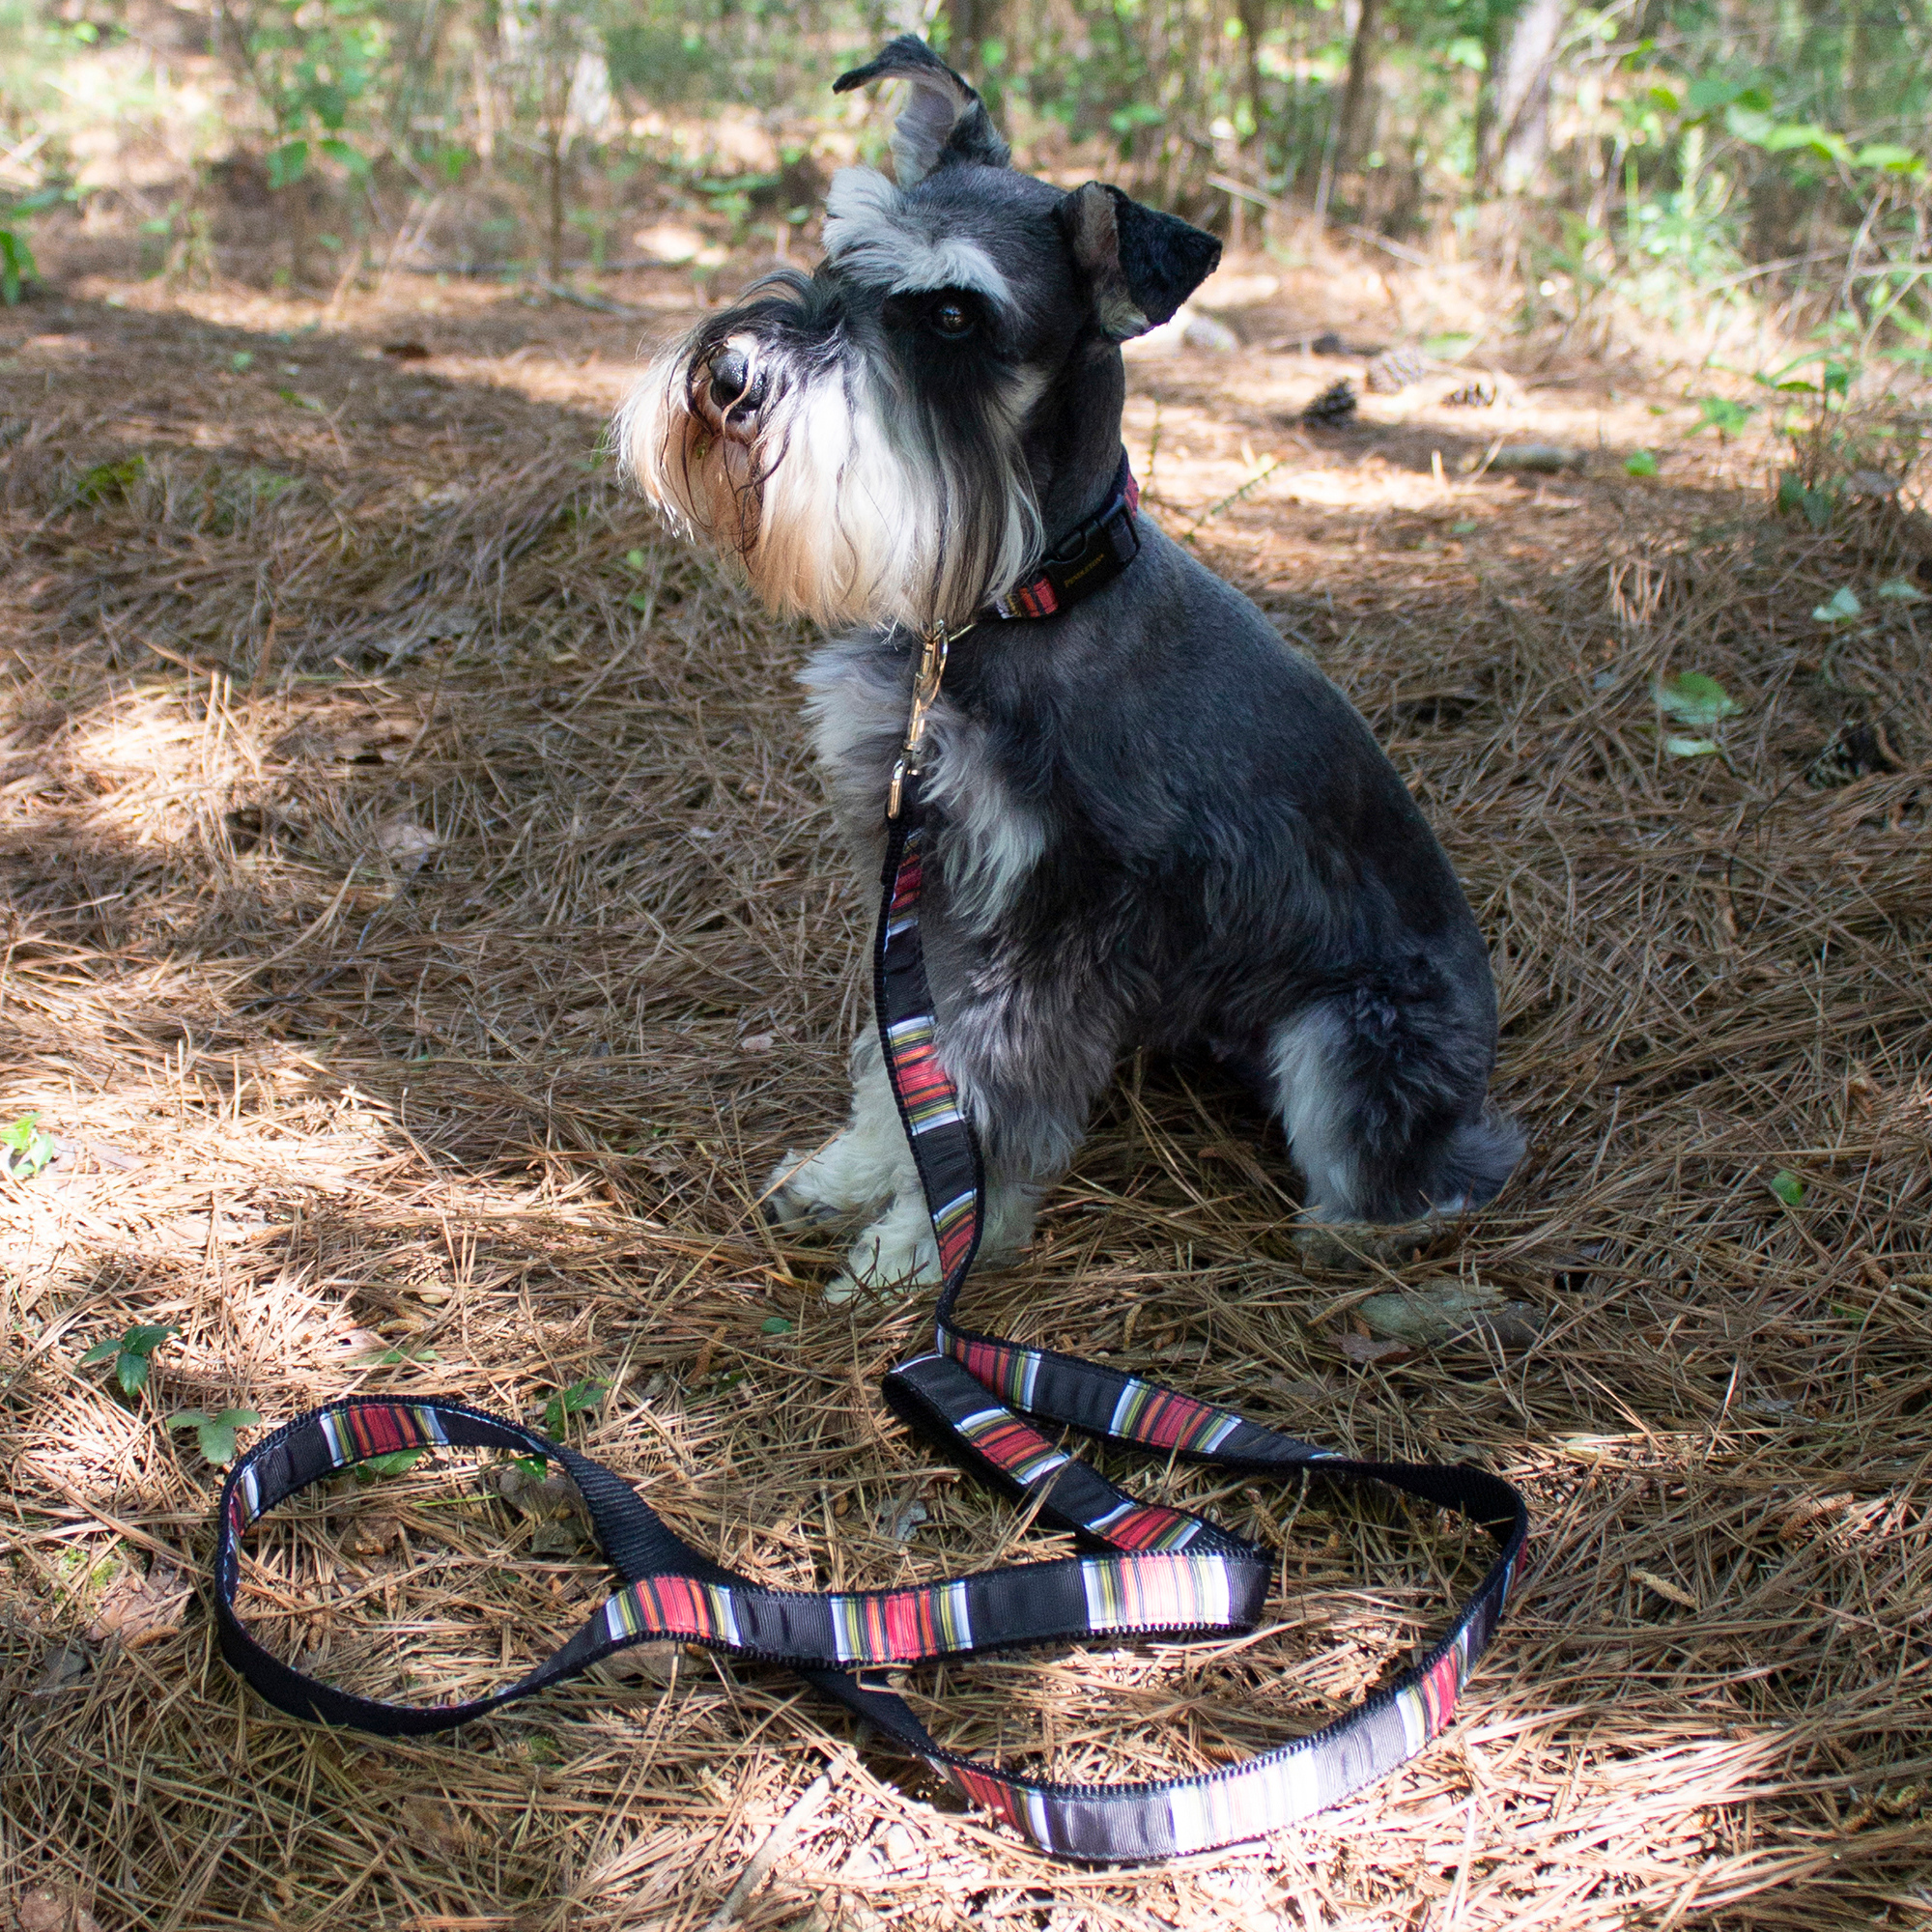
423,933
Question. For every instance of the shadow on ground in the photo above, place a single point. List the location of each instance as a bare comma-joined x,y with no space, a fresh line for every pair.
423,933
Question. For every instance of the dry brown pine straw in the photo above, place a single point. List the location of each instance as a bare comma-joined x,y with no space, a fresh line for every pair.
423,933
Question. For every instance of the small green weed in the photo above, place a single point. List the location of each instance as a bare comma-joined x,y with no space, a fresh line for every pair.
395,1356
216,1434
579,1398
1840,608
17,265
1699,702
1814,502
1721,413
25,1148
131,1353
1694,698
110,482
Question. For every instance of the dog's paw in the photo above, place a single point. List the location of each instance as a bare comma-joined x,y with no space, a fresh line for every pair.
790,1204
896,1254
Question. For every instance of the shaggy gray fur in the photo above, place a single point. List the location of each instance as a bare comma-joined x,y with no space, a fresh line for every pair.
1155,824
1172,832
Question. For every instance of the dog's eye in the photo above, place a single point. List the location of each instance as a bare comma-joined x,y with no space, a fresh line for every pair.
952,320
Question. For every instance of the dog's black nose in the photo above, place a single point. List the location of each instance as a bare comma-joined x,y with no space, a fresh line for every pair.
731,378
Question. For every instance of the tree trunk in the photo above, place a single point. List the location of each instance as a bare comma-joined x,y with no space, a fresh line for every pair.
1515,135
1253,15
553,143
969,25
1352,132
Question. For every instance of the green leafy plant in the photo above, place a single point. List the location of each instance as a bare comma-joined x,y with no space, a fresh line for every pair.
314,66
25,1148
1722,414
1640,462
1788,1188
1694,698
579,1398
1832,380
1814,502
16,254
397,1463
131,1353
216,1434
1698,701
110,482
395,1354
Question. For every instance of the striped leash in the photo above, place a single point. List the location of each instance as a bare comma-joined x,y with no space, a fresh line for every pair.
1146,1569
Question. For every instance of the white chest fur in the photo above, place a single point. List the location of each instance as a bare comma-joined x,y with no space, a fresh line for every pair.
987,840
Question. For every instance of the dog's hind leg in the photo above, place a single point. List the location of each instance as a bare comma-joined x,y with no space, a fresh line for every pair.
1382,1091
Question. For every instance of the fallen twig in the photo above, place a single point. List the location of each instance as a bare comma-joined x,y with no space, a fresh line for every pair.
758,1867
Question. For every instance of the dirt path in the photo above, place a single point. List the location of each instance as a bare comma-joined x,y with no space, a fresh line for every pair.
422,934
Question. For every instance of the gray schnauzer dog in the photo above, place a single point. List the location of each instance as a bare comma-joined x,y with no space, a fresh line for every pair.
1150,822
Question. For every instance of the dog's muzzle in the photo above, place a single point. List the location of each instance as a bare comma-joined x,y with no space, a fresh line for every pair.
729,392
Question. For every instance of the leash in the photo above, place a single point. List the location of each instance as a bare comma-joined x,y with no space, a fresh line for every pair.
1149,1571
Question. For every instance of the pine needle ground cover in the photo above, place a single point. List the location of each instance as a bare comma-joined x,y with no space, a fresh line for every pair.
422,934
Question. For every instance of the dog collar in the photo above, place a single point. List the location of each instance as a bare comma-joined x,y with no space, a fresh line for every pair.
1089,556
1080,561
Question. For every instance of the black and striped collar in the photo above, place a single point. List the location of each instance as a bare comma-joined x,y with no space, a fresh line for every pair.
1080,561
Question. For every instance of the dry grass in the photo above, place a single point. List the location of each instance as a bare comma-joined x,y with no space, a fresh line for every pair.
421,931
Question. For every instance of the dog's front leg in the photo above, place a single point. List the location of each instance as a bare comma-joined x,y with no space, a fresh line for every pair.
866,1173
864,1170
1027,1071
858,1172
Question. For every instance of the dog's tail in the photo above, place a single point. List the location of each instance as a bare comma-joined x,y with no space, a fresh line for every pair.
1382,1095
1476,1157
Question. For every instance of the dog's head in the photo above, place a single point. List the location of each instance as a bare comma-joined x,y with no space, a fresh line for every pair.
881,441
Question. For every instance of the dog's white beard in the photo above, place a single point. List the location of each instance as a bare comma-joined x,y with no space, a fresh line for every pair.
829,515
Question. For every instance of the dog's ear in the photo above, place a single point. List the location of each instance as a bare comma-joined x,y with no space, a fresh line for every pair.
943,119
1140,264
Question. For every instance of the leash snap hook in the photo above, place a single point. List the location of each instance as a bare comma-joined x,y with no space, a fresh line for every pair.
933,642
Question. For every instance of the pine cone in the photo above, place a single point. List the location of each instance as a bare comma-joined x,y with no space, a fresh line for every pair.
1333,407
1472,396
1854,752
1395,369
